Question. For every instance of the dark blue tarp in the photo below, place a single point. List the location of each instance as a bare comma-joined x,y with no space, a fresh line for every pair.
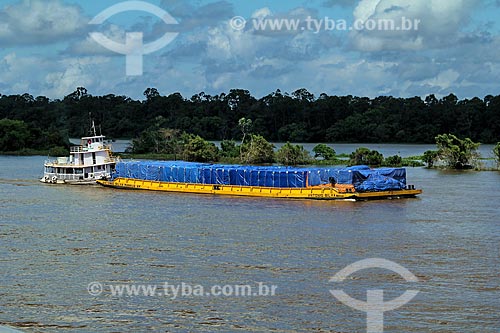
365,179
362,177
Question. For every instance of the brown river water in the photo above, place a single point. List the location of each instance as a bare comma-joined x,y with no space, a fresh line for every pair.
58,240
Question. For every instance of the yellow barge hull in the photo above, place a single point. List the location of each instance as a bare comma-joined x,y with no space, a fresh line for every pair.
318,193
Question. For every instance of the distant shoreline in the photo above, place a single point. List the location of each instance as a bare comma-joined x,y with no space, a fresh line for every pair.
25,152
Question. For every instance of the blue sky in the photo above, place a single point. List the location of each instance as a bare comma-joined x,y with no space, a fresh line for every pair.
46,48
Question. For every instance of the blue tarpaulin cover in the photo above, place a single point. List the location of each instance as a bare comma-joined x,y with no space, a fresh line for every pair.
365,179
362,177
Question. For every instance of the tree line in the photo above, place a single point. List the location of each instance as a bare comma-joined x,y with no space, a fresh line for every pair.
163,143
296,117
172,144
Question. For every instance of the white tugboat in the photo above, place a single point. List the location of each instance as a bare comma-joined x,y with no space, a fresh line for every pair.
90,161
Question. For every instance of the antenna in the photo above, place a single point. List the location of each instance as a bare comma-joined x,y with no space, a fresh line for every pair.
91,123
93,131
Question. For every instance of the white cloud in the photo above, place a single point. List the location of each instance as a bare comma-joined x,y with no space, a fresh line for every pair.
262,13
444,80
54,78
220,45
89,46
193,17
366,9
440,22
20,74
76,72
33,22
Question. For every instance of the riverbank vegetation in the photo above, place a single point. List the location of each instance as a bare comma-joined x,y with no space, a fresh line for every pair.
452,152
169,144
19,138
298,116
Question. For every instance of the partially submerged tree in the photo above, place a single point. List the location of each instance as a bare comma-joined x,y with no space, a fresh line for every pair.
197,149
258,150
393,161
457,153
324,152
496,151
229,149
430,157
365,156
290,154
158,141
245,126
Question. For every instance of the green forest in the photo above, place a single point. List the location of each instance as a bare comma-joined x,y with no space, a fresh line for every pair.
38,122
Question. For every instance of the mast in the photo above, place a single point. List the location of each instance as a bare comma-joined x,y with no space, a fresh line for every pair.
93,130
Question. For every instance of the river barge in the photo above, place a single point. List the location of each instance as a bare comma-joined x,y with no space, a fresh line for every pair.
356,183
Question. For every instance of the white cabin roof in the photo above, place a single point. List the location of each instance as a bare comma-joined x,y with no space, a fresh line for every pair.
93,137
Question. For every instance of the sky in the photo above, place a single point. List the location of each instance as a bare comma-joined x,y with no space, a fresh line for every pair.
338,47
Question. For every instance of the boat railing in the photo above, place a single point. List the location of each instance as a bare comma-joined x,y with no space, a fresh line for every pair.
76,176
77,149
72,163
57,162
83,149
107,147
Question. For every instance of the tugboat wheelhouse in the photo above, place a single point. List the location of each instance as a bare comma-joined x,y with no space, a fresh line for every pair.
88,162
